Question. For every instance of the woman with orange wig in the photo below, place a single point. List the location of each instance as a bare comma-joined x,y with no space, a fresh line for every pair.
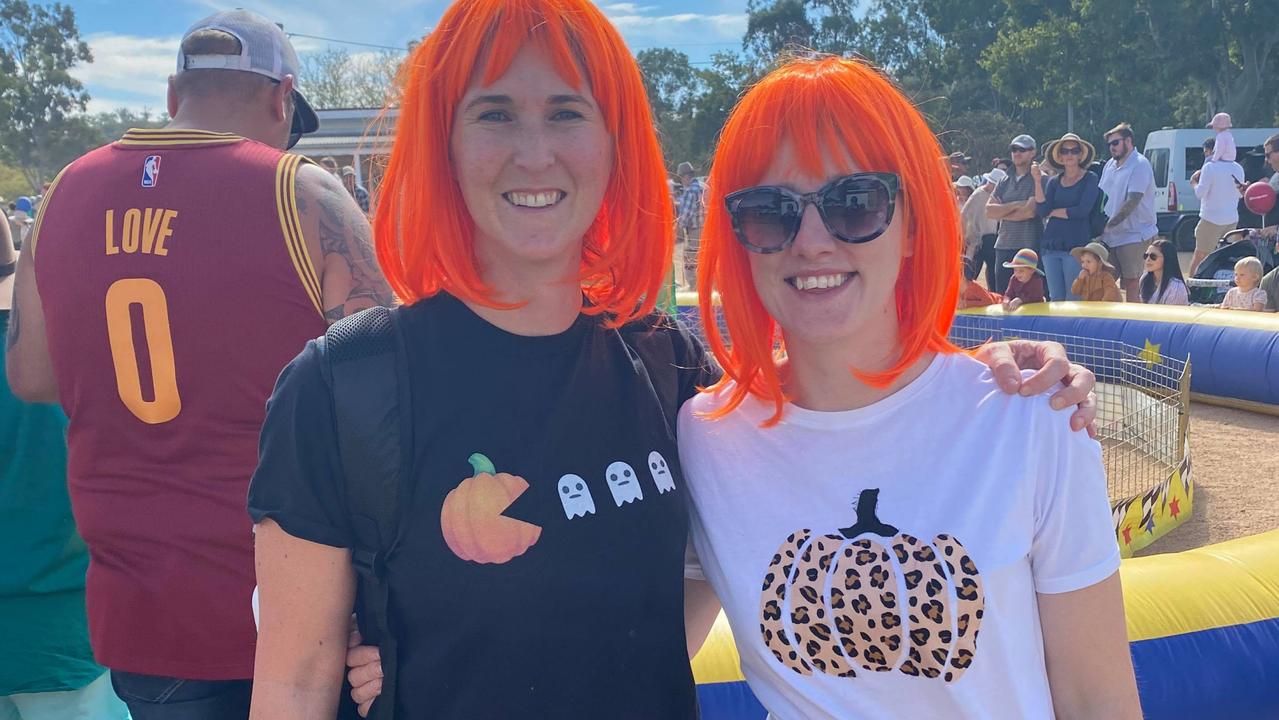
926,545
538,571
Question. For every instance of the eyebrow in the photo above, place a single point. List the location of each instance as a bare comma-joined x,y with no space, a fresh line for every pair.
507,100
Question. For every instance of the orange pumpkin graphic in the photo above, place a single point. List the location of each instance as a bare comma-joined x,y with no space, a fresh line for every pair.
834,603
472,521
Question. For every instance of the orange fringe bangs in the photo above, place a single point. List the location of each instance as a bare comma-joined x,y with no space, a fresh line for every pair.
422,229
841,109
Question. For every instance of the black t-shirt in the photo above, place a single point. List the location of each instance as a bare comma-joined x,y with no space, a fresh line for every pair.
588,620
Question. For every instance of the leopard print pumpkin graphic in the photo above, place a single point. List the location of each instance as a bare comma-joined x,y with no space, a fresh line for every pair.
871,597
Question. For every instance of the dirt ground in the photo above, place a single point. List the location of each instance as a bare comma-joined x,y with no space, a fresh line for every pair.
1235,461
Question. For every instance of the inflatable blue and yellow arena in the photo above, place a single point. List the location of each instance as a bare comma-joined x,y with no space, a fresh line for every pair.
1203,628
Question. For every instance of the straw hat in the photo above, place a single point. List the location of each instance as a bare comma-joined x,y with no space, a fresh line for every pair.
1097,249
1053,150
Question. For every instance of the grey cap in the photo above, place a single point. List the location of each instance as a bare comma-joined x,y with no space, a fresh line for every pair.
1024,141
264,49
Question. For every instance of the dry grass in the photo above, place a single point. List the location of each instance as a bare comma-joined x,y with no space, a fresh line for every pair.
1235,460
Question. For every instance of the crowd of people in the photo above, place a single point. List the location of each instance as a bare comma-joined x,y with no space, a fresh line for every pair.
1091,235
576,483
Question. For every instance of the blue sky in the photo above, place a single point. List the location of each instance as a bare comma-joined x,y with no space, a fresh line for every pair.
134,42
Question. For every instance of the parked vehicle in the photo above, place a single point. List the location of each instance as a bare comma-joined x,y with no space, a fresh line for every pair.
1175,155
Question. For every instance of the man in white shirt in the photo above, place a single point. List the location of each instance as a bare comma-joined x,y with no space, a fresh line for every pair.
1129,184
1217,187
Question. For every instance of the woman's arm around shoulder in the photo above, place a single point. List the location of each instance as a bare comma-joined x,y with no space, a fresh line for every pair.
306,591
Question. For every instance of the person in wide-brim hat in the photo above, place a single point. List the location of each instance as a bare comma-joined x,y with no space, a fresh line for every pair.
1052,151
1097,249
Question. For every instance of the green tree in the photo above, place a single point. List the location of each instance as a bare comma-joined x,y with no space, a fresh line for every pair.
336,78
38,47
673,88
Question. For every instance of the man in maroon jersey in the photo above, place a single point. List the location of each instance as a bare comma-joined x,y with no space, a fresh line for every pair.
169,277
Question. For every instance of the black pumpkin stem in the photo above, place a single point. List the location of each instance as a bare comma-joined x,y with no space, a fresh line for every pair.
867,520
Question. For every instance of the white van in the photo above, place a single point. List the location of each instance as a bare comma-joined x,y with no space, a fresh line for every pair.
1175,155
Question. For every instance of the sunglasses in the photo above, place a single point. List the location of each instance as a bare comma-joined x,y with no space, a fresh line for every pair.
1115,142
1070,151
854,208
1151,256
1019,149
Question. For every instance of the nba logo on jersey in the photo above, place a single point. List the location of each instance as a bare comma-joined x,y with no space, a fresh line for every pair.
151,171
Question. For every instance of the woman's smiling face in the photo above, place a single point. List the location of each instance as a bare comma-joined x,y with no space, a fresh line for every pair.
532,157
821,290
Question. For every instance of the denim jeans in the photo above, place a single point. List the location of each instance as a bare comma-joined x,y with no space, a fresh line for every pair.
1060,268
151,697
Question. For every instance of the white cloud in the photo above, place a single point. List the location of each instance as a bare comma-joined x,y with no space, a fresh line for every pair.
129,66
692,33
626,8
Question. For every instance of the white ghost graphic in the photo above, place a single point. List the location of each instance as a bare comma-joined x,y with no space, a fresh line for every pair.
661,473
623,483
576,497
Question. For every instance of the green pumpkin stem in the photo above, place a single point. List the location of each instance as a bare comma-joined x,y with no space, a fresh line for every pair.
481,464
867,520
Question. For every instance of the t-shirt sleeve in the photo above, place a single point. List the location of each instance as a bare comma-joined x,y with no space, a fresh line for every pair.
697,367
1143,177
1074,544
298,482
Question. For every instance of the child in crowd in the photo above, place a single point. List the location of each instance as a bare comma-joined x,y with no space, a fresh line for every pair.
1027,283
1096,282
972,295
1224,150
1246,295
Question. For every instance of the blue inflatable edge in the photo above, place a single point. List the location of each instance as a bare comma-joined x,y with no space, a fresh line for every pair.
1209,673
1229,362
729,701
1193,676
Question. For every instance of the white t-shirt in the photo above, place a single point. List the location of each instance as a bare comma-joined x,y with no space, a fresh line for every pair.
1217,193
994,484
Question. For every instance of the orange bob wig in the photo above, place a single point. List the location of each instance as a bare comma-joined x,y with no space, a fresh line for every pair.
422,229
837,109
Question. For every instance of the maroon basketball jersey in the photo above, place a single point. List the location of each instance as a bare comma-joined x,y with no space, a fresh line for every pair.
175,286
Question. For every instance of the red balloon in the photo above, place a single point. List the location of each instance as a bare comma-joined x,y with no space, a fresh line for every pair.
1259,197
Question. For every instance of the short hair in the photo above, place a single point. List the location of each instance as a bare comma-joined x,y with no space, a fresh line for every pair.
423,232
847,110
1210,143
1123,130
221,83
1250,263
1272,142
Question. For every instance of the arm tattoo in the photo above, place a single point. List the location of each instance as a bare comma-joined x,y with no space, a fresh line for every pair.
1130,204
346,235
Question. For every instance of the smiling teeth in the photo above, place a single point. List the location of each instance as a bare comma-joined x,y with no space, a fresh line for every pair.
535,200
818,282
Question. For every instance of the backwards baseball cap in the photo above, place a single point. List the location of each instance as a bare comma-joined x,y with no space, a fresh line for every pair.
264,49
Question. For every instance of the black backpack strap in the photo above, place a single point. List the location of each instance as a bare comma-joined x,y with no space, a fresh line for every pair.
368,365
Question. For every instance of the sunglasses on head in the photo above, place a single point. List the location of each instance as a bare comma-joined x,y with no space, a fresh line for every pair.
854,208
